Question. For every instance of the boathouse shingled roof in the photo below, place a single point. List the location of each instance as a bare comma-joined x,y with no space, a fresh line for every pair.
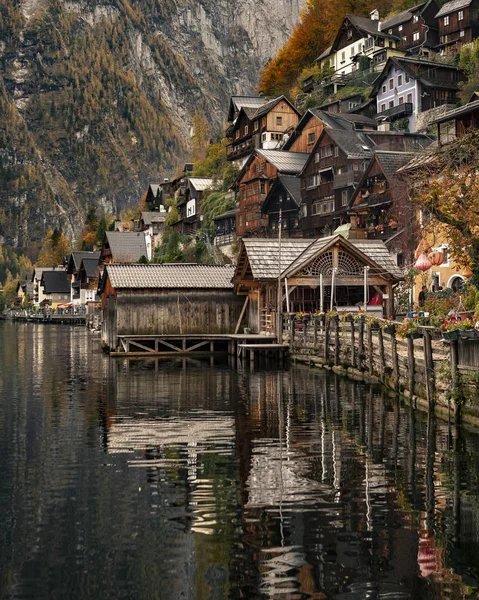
126,246
263,255
170,276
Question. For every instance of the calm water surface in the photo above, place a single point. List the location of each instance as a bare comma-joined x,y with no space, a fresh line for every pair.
190,480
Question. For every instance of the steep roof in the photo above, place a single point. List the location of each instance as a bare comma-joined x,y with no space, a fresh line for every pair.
126,246
293,186
353,143
169,276
264,110
374,252
285,162
263,255
452,6
153,217
370,26
75,259
38,271
154,188
56,282
239,102
90,266
401,17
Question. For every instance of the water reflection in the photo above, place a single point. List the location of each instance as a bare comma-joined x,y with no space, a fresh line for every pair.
178,479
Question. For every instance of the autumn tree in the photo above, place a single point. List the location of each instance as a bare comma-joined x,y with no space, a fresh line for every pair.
200,136
54,249
446,189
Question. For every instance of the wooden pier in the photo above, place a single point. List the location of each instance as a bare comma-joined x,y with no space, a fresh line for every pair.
238,345
53,319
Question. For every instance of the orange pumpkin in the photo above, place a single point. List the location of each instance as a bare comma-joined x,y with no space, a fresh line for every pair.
436,258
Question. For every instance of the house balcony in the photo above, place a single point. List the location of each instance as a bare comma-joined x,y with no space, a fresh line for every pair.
377,199
384,233
240,149
397,112
308,85
347,179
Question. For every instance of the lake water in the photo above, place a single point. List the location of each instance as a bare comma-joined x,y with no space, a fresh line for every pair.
182,479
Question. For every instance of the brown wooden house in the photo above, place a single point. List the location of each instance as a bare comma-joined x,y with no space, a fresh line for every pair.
189,205
417,28
284,196
261,127
459,121
458,24
254,183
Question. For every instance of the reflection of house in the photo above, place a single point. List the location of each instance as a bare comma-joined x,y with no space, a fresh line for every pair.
56,288
189,206
254,182
408,90
174,299
372,204
458,24
124,247
340,266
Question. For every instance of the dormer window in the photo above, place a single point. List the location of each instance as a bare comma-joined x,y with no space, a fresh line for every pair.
237,134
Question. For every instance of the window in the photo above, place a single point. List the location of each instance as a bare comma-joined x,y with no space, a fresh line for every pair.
401,100
246,130
325,151
237,134
404,38
391,103
263,137
344,198
415,19
336,151
383,107
256,126
316,157
384,89
352,50
240,220
460,15
407,78
343,57
399,80
462,33
263,187
400,28
350,34
409,99
415,36
311,137
279,120
446,20
391,84
390,32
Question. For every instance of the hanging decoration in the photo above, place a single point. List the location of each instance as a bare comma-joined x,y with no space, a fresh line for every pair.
423,248
423,263
467,272
436,257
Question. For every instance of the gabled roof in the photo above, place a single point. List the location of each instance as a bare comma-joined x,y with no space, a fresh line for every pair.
263,255
238,102
200,184
56,282
291,184
38,271
75,259
90,266
168,276
126,246
452,6
402,17
154,187
364,27
285,162
266,108
325,54
372,253
153,217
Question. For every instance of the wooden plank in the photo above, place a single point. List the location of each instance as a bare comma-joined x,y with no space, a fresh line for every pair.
243,310
198,345
145,348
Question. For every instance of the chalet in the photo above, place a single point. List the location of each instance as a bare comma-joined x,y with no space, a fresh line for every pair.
124,248
353,104
153,224
380,190
73,264
316,276
56,288
189,206
284,196
409,91
458,24
459,121
174,299
254,182
314,120
417,28
225,227
38,295
357,43
88,277
261,127
153,196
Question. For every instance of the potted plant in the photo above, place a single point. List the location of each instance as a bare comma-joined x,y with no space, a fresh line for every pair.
373,322
408,329
319,316
452,329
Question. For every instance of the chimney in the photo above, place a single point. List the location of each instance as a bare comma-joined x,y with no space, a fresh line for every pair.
374,15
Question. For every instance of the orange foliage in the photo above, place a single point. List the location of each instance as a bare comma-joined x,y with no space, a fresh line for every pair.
316,30
89,241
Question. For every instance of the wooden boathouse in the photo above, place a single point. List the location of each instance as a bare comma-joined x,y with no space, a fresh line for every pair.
148,308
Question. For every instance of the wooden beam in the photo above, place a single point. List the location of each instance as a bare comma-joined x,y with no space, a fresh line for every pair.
132,342
243,310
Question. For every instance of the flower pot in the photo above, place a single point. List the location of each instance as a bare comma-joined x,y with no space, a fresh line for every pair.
375,327
450,335
390,329
414,335
467,334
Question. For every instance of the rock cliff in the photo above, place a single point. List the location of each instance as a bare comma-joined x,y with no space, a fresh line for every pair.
98,96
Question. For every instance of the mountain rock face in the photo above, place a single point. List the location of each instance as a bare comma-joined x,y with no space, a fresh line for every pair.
98,96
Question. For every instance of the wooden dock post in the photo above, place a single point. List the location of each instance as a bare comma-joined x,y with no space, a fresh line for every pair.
353,344
361,345
370,348
395,359
429,368
381,354
411,367
327,326
336,341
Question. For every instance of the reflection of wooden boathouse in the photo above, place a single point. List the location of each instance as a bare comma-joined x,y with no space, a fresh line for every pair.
315,276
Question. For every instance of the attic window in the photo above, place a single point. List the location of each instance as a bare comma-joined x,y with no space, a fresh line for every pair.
400,28
350,34
460,15
311,137
415,19
446,20
279,120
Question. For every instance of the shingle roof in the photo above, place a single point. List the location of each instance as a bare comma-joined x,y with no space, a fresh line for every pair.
154,188
369,26
153,217
170,276
38,271
56,282
392,161
353,143
204,183
91,267
326,53
263,255
293,186
452,6
77,257
285,162
375,250
401,17
126,246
